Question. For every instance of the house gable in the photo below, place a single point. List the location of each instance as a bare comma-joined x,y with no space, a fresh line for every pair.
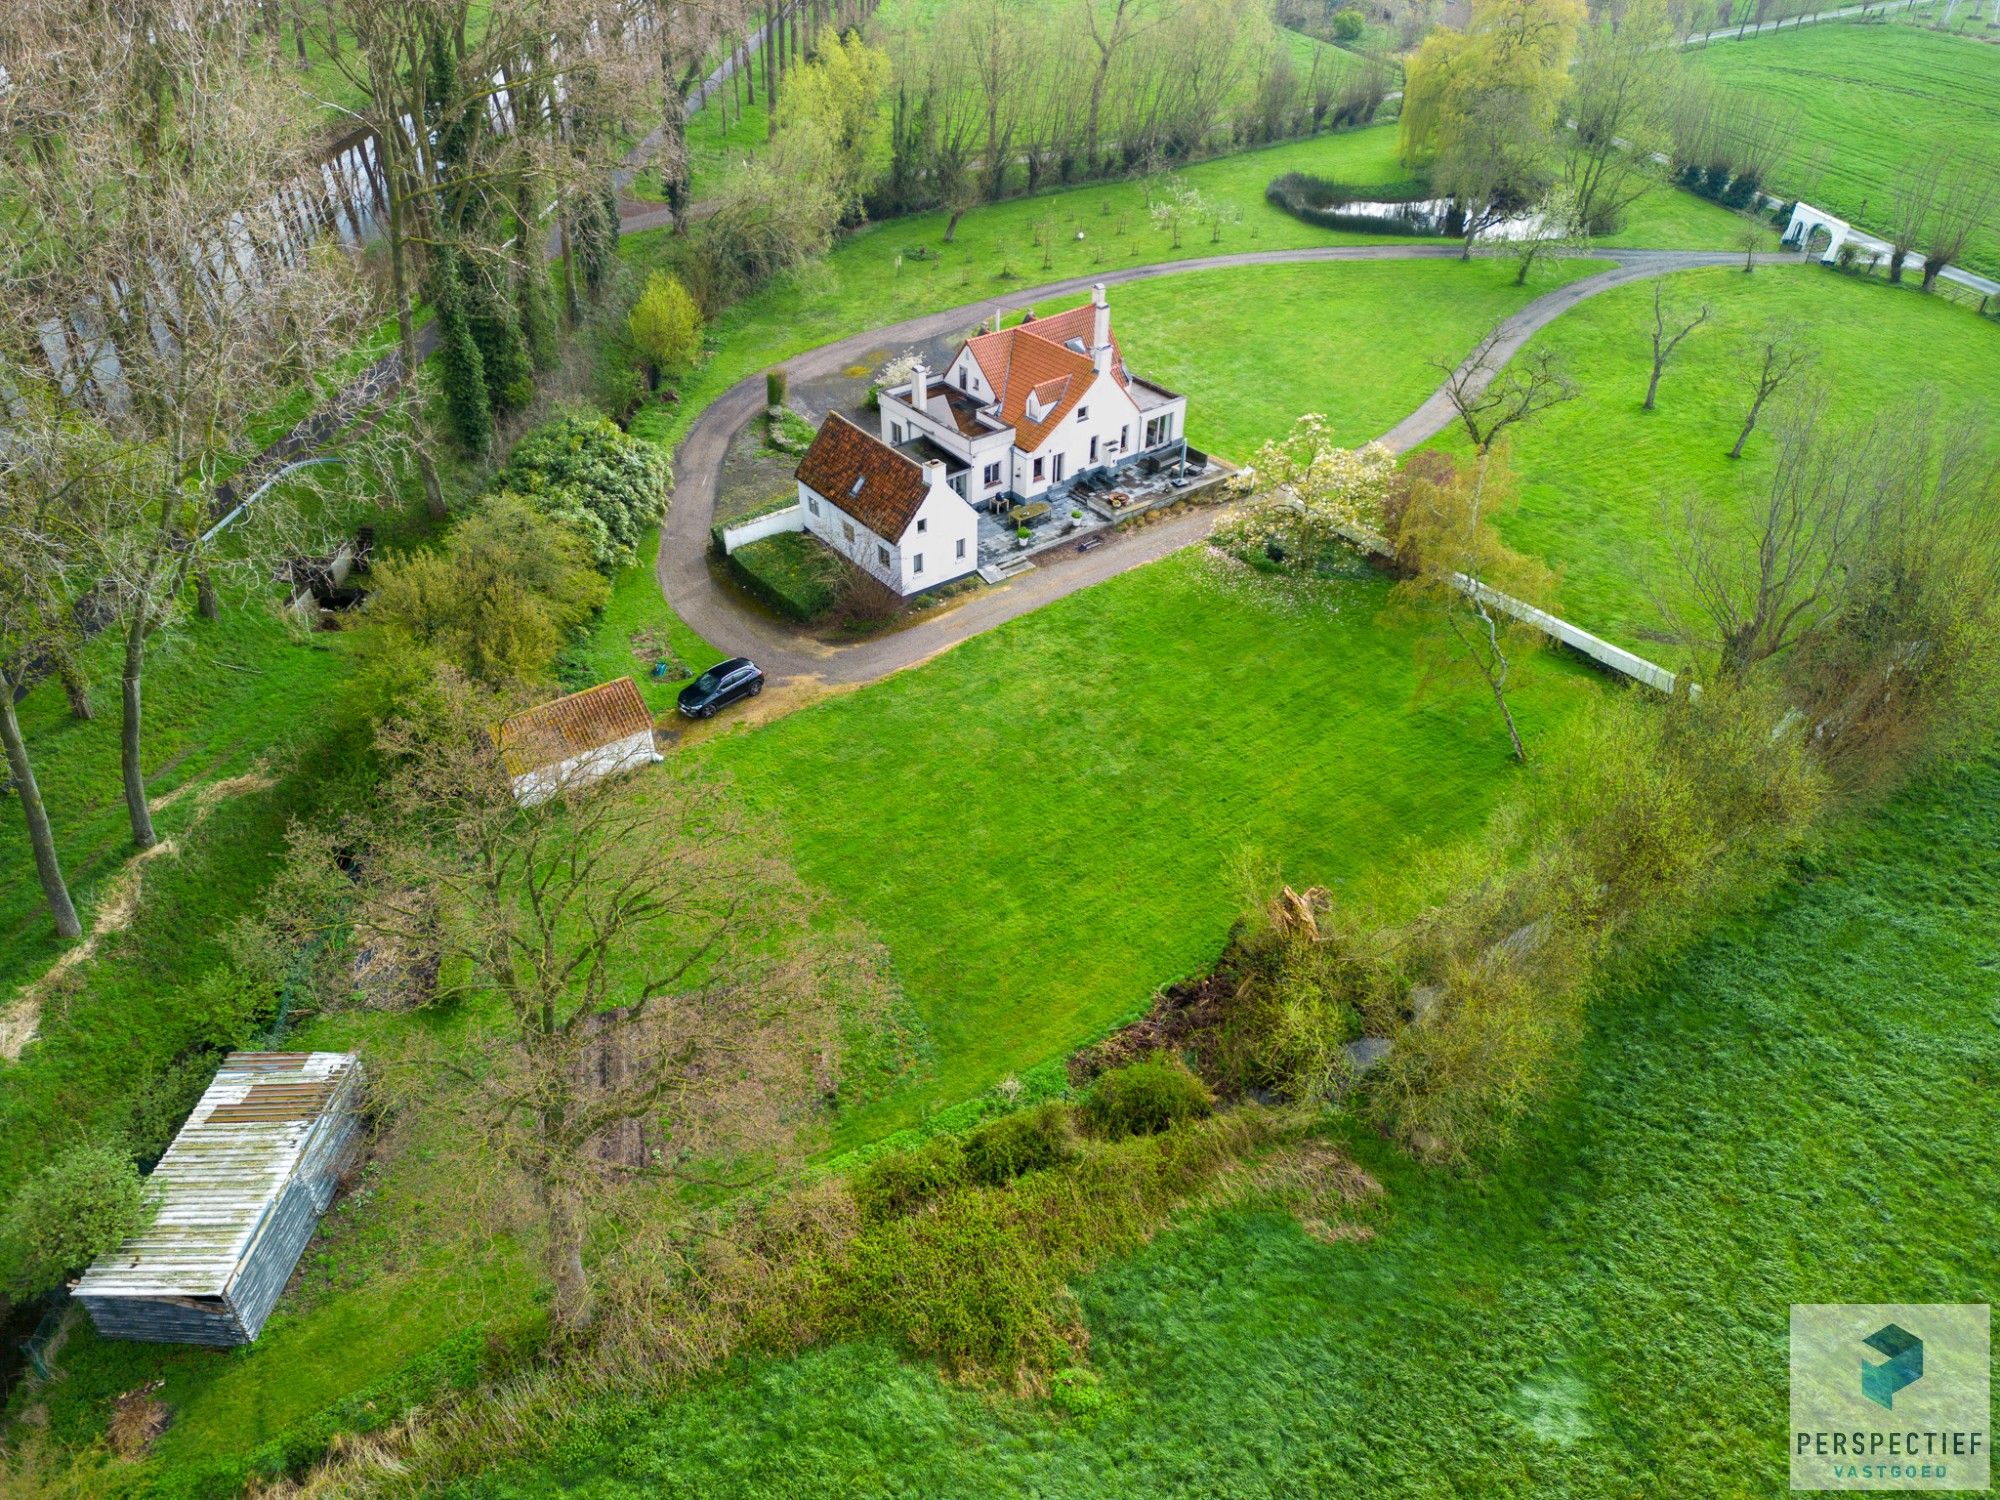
863,476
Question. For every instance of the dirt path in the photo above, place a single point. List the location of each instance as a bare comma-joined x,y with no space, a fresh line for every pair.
720,615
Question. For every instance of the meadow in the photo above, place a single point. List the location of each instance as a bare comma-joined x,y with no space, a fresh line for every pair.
1600,1311
1057,816
1600,474
1876,103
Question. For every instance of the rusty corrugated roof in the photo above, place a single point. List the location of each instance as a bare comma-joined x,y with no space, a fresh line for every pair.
551,733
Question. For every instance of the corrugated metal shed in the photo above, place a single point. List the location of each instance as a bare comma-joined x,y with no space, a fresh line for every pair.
242,1187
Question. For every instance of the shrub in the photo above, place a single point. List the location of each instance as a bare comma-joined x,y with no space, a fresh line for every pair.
1144,1098
777,386
1348,25
791,573
665,326
903,1181
584,471
77,1207
1026,1141
496,601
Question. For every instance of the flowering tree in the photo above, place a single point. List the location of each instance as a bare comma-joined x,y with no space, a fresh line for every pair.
1320,493
1176,204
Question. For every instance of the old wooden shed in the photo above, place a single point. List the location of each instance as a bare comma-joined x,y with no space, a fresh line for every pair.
241,1189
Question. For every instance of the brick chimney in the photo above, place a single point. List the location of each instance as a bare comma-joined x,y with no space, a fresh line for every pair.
1100,330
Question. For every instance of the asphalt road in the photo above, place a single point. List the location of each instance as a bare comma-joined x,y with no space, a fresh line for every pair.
798,663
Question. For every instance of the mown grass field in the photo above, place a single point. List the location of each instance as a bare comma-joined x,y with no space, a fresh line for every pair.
1602,1312
1598,471
1048,821
1358,340
1875,103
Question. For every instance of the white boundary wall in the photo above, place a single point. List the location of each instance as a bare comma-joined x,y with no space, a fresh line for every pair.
635,750
791,518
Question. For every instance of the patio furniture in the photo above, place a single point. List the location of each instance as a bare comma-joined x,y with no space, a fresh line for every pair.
1118,499
1090,543
1034,512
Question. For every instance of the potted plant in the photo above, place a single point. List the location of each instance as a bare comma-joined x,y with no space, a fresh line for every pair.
1021,536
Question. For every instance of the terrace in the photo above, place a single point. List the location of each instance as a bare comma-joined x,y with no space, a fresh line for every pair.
1095,502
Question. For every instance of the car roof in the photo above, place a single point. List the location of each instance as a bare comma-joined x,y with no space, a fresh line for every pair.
733,663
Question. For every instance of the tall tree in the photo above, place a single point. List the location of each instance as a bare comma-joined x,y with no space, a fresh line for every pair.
1667,338
1776,360
158,233
1621,92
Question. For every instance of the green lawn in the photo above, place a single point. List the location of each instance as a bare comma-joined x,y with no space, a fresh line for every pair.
1598,470
1255,347
1045,823
1875,102
1797,1111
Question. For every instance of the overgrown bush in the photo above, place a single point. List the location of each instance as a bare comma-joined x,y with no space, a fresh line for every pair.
1144,1098
495,602
665,326
587,473
1027,1140
80,1205
901,1182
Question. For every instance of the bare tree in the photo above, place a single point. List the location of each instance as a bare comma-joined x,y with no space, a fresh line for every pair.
160,234
1960,212
47,477
1665,343
1911,205
1778,359
1464,577
1622,89
654,1003
1759,587
1489,400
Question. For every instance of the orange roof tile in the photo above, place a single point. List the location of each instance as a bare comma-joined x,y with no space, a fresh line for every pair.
891,487
551,733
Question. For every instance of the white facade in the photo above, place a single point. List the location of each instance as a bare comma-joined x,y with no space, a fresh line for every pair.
940,543
1066,365
627,754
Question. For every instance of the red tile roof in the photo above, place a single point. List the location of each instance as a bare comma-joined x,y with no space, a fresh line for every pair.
891,487
1035,356
551,733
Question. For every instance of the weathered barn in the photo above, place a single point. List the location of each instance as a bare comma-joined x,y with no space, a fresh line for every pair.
241,1189
577,739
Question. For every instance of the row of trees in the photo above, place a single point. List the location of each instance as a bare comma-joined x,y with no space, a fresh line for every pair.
1072,88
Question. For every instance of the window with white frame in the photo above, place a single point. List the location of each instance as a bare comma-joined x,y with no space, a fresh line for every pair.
1038,468
882,554
812,504
992,475
847,528
1083,414
917,563
895,432
961,549
922,525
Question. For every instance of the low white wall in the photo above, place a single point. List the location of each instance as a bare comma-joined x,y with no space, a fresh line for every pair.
791,518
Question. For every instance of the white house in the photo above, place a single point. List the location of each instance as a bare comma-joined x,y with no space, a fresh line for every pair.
1020,411
891,514
597,732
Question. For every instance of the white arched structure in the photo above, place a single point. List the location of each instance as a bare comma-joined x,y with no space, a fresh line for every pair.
1806,219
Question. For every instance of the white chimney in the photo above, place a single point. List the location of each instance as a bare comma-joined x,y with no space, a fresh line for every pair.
1100,330
920,385
933,473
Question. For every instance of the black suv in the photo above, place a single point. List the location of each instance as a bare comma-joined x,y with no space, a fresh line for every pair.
720,685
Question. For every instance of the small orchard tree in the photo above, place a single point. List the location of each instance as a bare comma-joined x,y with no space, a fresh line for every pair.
1490,399
1668,331
1175,204
1776,360
1460,569
1552,229
665,324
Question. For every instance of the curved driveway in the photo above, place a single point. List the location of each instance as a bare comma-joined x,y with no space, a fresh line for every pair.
724,618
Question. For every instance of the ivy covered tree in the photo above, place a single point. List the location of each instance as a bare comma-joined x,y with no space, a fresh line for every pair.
496,328
468,405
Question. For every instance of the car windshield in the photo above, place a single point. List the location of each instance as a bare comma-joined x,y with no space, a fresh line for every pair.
708,681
